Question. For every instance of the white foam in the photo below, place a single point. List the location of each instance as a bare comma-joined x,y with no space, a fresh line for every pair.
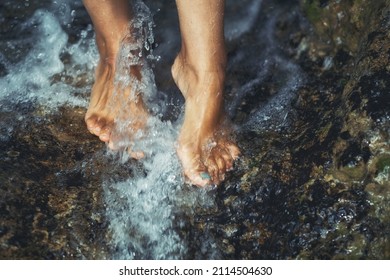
142,210
32,77
273,115
240,21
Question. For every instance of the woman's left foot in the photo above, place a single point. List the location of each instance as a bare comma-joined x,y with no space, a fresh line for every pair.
205,148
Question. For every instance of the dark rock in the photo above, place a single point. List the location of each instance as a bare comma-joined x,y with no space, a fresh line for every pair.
312,183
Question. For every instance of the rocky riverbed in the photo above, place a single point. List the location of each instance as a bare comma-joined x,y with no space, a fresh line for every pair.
307,90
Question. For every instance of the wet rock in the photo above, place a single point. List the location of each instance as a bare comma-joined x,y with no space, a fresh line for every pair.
313,190
43,217
342,24
313,181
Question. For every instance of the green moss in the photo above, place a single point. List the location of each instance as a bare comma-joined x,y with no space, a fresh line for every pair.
344,24
382,163
312,10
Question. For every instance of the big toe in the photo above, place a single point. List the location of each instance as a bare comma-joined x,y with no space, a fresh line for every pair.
91,123
97,126
195,172
199,178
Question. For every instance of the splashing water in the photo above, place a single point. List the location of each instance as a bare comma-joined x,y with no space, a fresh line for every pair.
142,208
241,19
27,78
273,113
33,77
147,210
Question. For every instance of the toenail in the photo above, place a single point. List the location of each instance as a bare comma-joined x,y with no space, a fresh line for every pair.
205,176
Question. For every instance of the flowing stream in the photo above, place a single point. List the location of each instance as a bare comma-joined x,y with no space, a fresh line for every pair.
146,209
48,59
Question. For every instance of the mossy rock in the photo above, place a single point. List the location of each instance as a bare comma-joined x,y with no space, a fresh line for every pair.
343,24
383,163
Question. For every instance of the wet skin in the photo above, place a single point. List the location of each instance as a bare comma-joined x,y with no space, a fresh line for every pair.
204,146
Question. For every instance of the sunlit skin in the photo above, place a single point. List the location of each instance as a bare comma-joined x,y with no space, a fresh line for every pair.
204,146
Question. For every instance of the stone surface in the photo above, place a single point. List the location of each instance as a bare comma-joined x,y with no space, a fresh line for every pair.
313,184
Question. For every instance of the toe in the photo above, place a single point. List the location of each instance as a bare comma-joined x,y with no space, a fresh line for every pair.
91,123
198,178
228,159
233,150
105,134
112,146
137,155
221,168
116,145
197,174
100,124
194,170
212,168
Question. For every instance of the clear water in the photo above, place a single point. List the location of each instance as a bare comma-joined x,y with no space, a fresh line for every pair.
147,210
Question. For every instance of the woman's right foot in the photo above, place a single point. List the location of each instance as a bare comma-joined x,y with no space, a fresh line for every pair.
116,111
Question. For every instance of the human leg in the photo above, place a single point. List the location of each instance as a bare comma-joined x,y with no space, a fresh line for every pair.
111,22
204,147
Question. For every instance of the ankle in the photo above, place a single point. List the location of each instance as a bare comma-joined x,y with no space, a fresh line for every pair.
109,46
203,61
185,73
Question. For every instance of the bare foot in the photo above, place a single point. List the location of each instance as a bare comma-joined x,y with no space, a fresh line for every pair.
116,112
204,146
